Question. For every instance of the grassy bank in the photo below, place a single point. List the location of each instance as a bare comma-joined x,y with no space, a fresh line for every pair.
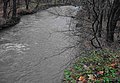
101,66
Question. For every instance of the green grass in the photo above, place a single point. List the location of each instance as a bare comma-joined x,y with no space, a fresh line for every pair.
101,66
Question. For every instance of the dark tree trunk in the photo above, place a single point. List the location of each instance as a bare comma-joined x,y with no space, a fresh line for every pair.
9,3
18,2
14,9
5,8
27,4
112,20
38,3
100,24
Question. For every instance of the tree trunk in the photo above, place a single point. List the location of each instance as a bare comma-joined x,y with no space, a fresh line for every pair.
18,2
100,24
14,9
112,20
27,4
5,8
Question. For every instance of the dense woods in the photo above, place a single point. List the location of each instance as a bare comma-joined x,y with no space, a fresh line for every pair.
104,15
99,12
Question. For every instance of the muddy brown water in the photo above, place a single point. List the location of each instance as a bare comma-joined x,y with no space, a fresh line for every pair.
34,51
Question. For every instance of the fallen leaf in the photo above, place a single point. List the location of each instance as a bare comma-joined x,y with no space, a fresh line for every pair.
112,65
81,78
100,72
84,81
86,67
91,77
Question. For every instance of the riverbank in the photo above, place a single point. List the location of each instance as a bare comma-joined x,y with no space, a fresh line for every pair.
96,66
92,61
6,23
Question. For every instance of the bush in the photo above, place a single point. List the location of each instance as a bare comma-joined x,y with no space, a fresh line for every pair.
101,66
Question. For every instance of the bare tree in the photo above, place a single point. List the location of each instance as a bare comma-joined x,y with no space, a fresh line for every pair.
112,20
5,4
27,4
14,9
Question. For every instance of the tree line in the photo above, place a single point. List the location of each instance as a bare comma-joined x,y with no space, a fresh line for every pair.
98,11
11,6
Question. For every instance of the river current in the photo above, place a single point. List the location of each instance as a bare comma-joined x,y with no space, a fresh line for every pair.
37,50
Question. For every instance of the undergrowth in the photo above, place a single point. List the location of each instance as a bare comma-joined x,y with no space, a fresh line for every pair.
101,66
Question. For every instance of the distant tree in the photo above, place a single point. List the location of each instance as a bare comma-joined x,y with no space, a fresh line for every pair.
14,9
27,4
18,2
5,4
